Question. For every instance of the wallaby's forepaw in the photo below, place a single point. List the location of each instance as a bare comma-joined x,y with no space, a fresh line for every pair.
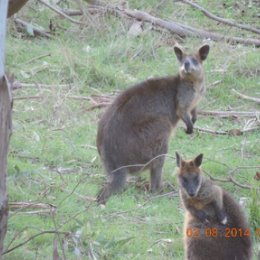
189,131
224,221
222,218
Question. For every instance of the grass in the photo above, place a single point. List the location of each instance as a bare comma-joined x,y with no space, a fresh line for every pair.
52,159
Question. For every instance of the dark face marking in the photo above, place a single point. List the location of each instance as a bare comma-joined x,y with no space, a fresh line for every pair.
194,61
190,183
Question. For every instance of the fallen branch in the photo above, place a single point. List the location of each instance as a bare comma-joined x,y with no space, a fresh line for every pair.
230,113
58,11
181,29
29,205
219,19
27,97
257,100
39,85
36,30
231,132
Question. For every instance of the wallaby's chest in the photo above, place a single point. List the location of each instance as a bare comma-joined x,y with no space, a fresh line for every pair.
196,203
189,94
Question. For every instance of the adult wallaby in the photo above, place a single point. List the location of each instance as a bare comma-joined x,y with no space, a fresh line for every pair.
215,227
136,127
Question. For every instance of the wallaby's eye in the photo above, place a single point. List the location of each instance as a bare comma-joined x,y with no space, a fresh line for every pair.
194,61
184,181
196,180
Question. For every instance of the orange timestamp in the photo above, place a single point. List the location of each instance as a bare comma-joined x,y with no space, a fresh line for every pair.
226,233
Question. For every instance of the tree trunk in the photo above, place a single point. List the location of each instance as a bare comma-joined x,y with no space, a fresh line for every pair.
5,125
5,131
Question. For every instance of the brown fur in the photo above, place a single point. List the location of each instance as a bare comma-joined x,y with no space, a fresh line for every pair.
199,246
137,126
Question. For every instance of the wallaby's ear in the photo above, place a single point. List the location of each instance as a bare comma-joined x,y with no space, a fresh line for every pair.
203,52
198,160
178,159
178,52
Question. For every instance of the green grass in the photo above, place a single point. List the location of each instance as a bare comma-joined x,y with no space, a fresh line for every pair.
52,158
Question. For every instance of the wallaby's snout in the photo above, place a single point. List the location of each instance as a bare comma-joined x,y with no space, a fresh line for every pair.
192,191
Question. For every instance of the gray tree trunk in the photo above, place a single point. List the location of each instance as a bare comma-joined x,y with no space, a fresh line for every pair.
5,125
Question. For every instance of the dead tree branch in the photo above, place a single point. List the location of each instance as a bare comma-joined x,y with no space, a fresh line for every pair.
180,29
219,19
229,179
58,11
70,12
231,132
230,113
257,100
36,30
33,237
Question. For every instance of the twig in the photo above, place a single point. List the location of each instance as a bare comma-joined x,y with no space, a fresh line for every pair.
230,179
33,237
213,84
221,20
243,167
70,12
38,57
257,100
58,11
143,165
36,30
30,85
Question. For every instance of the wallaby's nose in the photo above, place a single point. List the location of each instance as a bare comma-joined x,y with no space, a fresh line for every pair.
186,65
192,193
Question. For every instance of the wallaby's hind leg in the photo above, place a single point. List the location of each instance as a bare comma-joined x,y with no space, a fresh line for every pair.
116,183
156,175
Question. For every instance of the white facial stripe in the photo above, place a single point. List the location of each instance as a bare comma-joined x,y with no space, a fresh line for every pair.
198,189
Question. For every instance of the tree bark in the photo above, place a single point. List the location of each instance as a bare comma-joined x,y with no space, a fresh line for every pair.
5,125
15,6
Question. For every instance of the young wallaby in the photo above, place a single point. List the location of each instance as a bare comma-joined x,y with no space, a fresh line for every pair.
215,227
137,125
198,193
